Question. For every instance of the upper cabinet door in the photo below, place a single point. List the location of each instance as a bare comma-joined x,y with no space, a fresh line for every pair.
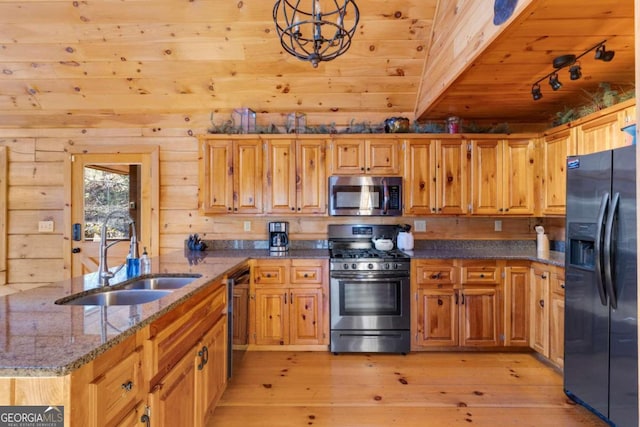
486,177
518,166
247,176
599,135
348,157
420,182
451,177
383,157
216,176
311,177
366,157
280,176
554,150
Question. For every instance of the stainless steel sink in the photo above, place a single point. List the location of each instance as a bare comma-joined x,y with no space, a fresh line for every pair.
160,282
117,297
135,291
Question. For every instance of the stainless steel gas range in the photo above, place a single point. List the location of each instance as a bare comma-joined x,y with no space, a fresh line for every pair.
369,290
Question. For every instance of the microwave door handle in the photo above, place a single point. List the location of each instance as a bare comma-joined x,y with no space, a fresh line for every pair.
385,192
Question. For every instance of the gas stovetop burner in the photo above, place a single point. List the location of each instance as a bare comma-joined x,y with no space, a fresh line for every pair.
366,254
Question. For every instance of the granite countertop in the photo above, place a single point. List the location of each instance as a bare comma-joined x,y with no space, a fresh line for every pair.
41,338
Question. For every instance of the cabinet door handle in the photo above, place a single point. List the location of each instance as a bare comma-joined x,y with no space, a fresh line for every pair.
128,386
285,297
544,276
541,302
440,301
462,299
145,419
456,295
204,357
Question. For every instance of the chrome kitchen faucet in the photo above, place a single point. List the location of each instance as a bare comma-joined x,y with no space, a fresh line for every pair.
103,268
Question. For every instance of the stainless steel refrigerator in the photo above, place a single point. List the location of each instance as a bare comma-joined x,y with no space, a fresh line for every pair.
601,309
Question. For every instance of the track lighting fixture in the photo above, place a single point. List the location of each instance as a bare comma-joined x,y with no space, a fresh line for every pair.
575,70
603,54
535,92
554,82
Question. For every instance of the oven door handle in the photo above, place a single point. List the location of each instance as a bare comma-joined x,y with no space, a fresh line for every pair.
369,277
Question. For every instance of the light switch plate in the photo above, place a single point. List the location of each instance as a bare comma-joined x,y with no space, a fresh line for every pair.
420,225
247,226
497,226
45,226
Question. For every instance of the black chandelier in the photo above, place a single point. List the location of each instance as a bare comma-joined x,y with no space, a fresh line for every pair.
321,33
575,70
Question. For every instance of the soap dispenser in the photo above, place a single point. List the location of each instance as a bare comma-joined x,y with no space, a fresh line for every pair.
133,258
145,262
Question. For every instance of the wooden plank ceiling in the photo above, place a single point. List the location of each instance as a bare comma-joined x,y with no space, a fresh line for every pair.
131,62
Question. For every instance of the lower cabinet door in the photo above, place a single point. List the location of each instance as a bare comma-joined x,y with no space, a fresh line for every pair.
272,313
437,323
479,318
172,400
211,370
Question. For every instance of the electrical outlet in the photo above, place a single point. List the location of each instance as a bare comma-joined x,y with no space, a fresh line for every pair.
45,226
247,226
420,225
497,226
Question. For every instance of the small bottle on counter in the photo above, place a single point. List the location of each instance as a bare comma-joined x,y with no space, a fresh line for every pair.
145,262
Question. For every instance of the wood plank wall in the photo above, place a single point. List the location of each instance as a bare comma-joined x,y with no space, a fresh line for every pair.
36,193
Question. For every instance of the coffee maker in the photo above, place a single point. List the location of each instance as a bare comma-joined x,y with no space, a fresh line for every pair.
278,236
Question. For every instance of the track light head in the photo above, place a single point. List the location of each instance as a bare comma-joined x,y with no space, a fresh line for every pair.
535,92
554,82
603,54
575,72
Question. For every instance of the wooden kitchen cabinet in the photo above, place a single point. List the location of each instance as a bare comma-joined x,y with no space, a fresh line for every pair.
502,176
370,156
599,135
289,302
516,305
231,176
211,370
436,177
555,148
539,309
295,178
111,388
454,312
556,318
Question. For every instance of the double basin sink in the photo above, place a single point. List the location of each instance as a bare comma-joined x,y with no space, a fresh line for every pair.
140,290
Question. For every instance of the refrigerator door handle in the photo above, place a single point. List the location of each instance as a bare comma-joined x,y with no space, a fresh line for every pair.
604,202
608,254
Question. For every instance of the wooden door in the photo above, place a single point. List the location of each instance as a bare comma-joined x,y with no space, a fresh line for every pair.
451,178
172,401
311,177
247,177
555,149
437,317
211,377
305,316
280,176
133,418
348,157
420,182
85,254
486,177
539,335
383,157
271,316
516,307
216,175
479,317
517,190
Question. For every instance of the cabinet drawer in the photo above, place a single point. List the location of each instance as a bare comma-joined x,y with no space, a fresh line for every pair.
480,274
428,273
119,389
308,272
270,274
557,283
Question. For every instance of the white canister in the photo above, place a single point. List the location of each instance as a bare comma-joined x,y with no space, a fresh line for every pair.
542,242
405,240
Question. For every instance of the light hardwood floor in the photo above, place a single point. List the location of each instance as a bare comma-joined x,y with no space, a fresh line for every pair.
281,389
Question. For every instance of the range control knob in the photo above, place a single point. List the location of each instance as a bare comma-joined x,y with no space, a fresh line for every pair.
354,266
370,266
396,266
346,266
387,266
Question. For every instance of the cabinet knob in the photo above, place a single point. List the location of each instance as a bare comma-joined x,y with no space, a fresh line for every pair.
482,275
292,208
229,208
440,301
544,276
306,275
128,386
562,285
362,169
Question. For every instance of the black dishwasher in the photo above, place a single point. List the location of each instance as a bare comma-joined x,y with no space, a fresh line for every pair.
238,312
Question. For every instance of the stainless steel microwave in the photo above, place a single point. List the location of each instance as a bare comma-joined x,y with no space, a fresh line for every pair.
365,195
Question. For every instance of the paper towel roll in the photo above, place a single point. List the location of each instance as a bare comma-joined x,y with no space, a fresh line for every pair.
542,244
